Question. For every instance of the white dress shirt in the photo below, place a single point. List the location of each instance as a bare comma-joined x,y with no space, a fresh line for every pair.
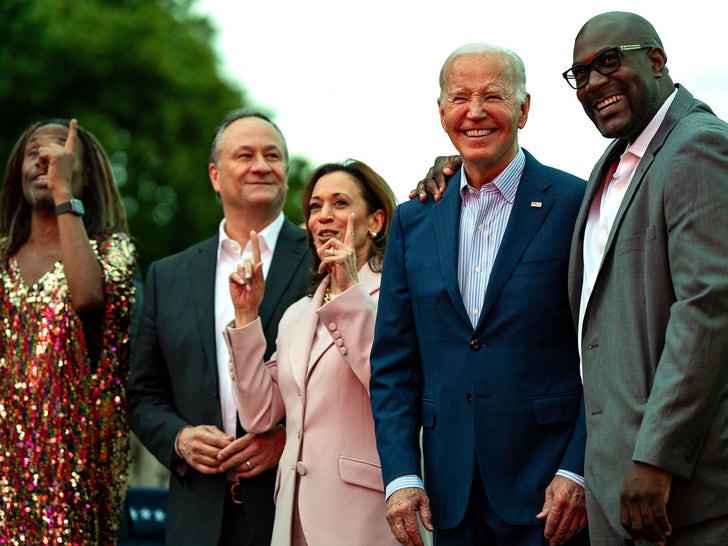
229,255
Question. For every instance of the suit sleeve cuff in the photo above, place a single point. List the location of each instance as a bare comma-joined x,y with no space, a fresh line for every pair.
179,465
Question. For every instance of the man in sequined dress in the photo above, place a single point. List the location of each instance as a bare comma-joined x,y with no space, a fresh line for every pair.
66,293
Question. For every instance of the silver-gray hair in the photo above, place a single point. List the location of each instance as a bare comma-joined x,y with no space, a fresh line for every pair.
516,64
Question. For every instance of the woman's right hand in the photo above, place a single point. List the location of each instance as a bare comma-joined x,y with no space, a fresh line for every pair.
247,286
339,260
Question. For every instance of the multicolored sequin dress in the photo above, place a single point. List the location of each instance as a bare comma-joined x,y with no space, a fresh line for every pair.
63,430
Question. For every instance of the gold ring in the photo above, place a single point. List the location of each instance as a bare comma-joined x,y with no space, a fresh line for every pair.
250,467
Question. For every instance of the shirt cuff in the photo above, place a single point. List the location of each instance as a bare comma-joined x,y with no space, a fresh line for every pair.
409,480
576,478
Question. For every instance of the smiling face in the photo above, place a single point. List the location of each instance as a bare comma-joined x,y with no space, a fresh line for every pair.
34,170
334,197
250,172
481,112
622,103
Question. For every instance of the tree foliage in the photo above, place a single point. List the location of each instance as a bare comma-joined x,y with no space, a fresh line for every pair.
142,75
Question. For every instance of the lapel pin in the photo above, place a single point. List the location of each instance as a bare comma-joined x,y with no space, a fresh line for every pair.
536,204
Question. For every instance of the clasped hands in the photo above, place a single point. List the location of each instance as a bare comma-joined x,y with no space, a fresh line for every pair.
209,450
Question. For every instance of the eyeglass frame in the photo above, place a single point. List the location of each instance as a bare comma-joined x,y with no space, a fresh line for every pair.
570,77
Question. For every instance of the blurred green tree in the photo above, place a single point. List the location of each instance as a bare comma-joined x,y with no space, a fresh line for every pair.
143,76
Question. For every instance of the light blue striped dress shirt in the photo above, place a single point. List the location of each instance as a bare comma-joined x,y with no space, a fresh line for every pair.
484,216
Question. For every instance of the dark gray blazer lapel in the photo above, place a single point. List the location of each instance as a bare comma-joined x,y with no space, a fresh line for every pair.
290,252
201,271
677,111
576,257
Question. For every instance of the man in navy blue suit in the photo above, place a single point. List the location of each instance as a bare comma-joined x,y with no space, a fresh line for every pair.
474,343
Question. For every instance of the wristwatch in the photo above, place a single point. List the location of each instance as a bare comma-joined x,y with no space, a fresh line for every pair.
74,206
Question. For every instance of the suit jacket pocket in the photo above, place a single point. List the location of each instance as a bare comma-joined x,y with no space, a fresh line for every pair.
556,409
540,267
636,242
362,473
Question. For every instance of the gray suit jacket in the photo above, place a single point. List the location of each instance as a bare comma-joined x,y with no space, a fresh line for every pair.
655,333
174,378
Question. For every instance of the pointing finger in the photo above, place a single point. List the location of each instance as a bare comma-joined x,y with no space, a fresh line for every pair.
71,138
349,235
255,245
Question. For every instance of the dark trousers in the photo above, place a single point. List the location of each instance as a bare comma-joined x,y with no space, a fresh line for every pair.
243,525
481,526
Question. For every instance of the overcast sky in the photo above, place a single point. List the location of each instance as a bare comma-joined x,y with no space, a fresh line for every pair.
360,79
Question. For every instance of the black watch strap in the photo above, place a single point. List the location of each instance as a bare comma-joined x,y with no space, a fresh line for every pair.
74,206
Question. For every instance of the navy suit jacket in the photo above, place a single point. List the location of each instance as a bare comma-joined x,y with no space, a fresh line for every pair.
174,379
506,394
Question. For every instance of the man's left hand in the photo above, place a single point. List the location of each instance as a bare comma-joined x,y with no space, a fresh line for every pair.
644,496
564,510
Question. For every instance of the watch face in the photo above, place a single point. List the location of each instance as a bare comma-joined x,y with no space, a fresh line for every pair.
74,206
77,207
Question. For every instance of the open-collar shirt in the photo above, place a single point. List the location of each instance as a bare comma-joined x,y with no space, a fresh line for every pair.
229,255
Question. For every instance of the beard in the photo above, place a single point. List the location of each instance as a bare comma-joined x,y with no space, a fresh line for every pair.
40,199
45,201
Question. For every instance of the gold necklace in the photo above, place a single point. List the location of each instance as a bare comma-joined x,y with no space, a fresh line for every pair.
327,295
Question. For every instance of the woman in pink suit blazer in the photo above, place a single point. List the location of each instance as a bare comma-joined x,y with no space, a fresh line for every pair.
329,489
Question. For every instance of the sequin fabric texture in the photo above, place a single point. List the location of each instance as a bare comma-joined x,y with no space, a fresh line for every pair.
63,431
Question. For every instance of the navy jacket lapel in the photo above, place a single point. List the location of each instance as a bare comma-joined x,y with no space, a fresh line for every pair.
530,207
446,223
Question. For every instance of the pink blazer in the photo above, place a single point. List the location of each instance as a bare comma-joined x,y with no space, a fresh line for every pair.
322,389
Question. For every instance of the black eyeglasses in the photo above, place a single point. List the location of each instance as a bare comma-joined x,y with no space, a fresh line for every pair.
605,63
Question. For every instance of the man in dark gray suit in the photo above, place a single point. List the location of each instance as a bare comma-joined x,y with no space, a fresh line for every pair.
180,401
648,287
